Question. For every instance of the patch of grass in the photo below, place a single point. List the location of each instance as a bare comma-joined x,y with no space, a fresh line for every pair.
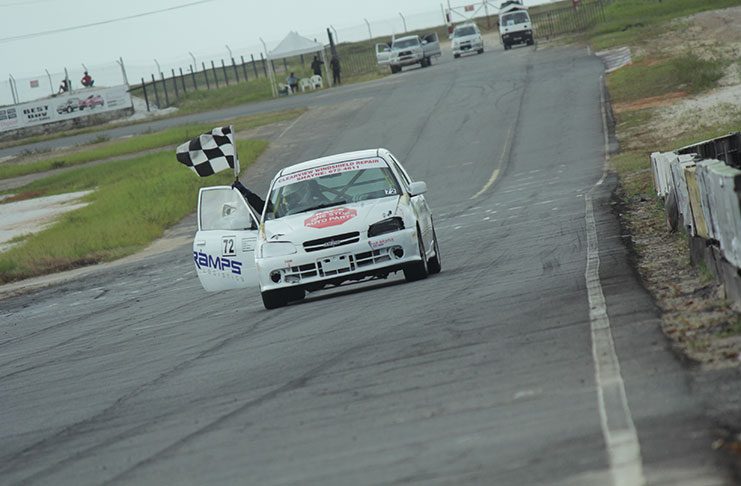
141,143
686,73
133,203
634,21
207,100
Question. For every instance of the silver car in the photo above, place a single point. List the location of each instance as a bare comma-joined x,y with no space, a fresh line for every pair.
466,38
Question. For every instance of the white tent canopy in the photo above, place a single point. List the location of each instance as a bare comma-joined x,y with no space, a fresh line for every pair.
295,44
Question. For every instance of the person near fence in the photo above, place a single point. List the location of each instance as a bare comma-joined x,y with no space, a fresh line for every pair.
335,65
63,86
316,66
87,81
292,81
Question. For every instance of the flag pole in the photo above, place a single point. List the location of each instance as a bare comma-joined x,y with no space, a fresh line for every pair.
236,156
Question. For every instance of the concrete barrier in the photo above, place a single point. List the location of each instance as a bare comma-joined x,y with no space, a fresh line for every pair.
705,195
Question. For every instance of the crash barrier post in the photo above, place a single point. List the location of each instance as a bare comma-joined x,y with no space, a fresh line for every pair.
703,193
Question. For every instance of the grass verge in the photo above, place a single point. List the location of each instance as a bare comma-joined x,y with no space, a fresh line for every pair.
134,201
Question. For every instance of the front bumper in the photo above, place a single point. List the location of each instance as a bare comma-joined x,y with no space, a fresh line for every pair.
519,37
469,46
376,256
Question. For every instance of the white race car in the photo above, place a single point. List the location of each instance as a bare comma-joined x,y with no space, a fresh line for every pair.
351,216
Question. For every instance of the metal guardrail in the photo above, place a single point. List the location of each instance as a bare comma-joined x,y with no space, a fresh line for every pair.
700,185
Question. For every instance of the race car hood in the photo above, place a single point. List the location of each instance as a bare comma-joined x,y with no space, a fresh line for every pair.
344,218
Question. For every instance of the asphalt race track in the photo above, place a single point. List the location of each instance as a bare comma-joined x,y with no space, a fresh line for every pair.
534,357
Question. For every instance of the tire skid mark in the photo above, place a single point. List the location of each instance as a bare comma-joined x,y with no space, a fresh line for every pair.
294,384
72,431
82,335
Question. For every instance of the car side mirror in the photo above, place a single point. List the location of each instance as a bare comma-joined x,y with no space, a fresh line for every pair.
417,188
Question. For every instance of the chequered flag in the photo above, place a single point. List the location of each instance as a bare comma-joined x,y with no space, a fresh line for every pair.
209,153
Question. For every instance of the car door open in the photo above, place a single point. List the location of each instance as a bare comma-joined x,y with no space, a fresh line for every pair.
224,245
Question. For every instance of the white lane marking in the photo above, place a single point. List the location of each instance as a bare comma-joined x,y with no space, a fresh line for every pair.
621,439
290,126
495,174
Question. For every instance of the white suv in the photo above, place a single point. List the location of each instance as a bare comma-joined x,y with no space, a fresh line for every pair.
466,38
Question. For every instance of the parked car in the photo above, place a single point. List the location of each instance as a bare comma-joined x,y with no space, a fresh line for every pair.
351,216
408,50
91,101
69,106
466,38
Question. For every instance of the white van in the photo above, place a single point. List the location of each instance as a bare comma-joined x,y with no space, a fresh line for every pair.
515,26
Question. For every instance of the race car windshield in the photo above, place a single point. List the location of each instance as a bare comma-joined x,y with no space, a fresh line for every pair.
405,43
331,190
463,31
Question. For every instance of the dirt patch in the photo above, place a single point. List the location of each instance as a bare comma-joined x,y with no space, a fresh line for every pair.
652,102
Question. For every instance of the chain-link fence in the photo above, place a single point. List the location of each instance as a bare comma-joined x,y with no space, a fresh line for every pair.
164,85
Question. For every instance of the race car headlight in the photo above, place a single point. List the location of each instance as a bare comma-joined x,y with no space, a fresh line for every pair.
277,248
386,226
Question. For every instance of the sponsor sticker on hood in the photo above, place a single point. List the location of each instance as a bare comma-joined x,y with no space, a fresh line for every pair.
330,217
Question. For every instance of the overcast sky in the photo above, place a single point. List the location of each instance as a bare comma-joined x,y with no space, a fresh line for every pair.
40,35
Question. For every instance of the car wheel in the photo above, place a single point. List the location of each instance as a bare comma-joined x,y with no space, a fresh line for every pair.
272,299
456,56
417,270
481,51
395,69
434,265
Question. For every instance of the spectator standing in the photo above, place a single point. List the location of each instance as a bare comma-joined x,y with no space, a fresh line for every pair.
316,66
335,65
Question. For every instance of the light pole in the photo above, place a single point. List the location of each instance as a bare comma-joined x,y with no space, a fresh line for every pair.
370,36
270,69
404,21
336,37
159,70
195,66
231,56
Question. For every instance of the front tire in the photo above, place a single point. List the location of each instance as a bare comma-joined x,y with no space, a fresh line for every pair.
435,264
417,270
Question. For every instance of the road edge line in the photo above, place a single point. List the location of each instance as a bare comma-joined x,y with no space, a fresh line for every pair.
621,440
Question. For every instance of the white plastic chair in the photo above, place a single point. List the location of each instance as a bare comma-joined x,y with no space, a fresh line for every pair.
284,88
316,80
305,83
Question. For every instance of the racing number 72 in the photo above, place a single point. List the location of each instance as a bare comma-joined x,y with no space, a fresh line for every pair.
228,246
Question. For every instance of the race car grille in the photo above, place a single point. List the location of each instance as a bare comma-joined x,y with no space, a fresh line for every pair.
331,241
303,271
371,257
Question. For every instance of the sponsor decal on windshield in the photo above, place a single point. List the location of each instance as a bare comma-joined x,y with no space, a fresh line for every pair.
330,217
330,169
